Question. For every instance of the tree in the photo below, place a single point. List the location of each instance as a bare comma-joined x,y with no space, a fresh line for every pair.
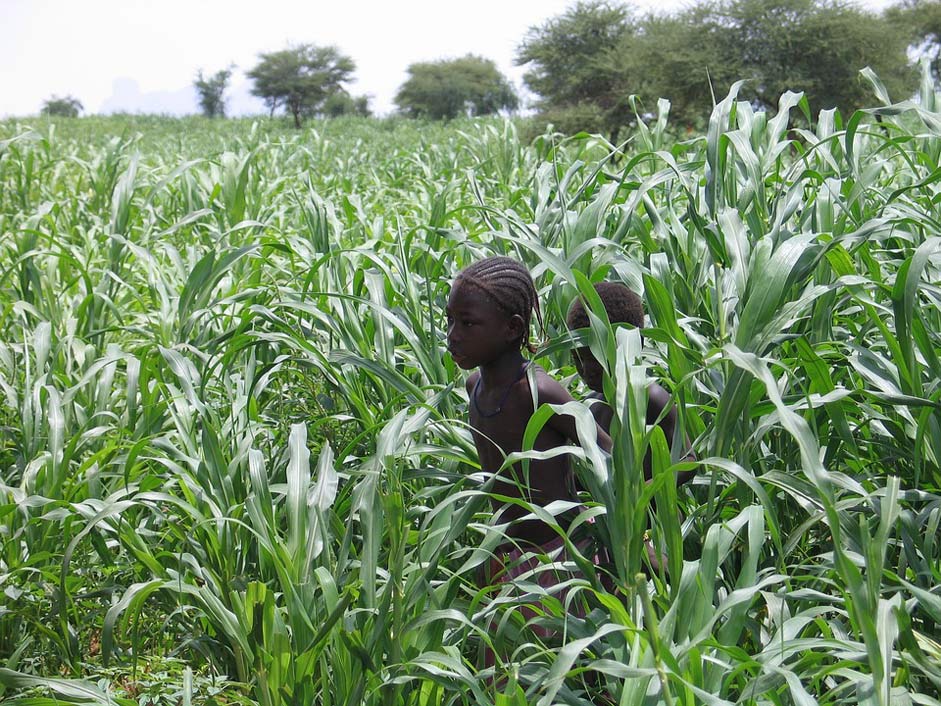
920,22
67,107
684,57
442,90
300,78
576,65
814,46
342,103
586,63
211,90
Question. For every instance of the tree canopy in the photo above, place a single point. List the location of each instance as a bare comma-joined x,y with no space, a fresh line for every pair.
342,103
301,79
211,92
814,46
586,63
575,65
442,90
920,22
64,107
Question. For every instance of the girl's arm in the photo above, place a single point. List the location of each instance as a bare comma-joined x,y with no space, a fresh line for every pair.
659,399
551,392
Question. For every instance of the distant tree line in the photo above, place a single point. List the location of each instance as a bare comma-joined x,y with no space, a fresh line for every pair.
586,64
594,66
308,80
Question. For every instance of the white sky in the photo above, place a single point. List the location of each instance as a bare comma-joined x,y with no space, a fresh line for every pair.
80,47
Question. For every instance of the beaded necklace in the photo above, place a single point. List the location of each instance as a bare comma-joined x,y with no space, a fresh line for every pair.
506,394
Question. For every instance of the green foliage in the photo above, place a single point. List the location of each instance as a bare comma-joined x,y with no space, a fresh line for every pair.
685,58
342,103
596,55
920,22
446,89
575,64
301,79
66,107
211,92
809,46
231,433
813,46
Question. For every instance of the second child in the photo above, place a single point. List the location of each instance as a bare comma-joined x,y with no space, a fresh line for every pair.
622,305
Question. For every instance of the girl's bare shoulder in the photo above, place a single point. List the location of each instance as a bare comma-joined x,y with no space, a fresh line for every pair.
548,388
471,381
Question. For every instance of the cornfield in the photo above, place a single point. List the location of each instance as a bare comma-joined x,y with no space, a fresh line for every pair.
236,466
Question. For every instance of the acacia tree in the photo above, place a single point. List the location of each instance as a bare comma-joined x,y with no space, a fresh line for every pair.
442,90
342,103
576,64
65,107
586,63
814,46
211,92
920,22
686,58
300,78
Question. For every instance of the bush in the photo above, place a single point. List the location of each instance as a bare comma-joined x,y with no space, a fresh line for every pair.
67,107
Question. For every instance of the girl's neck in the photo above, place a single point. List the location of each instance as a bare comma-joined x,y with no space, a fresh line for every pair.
502,371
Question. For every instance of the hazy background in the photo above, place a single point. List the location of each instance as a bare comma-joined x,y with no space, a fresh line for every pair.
142,56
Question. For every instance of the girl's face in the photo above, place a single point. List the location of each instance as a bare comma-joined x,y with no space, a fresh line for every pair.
478,330
589,369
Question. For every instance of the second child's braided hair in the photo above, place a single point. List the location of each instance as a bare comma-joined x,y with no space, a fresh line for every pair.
508,284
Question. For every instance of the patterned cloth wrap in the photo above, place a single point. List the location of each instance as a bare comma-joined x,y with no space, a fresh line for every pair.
529,564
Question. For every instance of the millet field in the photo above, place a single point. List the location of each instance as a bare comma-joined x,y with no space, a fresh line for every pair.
235,461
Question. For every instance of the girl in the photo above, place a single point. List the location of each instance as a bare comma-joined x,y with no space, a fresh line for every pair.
489,314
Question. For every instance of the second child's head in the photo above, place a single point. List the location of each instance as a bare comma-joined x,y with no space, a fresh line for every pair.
622,306
489,311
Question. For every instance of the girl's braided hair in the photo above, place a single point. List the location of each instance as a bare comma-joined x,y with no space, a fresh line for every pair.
508,284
